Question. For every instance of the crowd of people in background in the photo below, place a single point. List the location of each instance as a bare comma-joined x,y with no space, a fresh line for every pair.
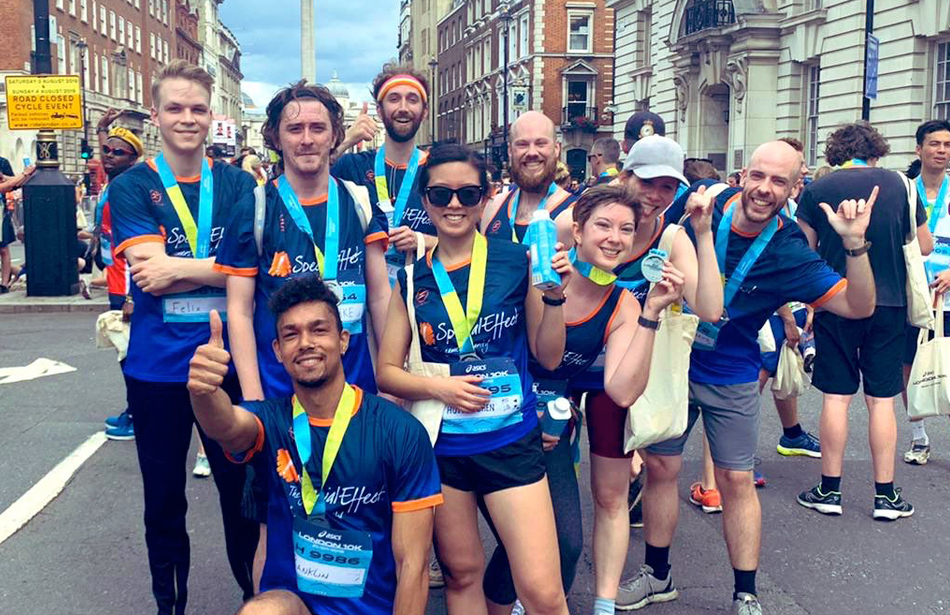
374,349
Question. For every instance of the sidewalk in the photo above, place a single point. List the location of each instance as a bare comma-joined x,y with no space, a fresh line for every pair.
17,302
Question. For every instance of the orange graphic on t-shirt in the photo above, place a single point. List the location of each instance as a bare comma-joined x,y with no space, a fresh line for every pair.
428,335
285,466
280,266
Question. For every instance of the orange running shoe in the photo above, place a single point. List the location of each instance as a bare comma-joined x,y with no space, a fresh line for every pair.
709,500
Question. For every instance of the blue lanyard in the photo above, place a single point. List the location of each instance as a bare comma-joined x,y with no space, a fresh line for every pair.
514,208
199,238
101,205
405,188
938,207
854,162
748,259
331,237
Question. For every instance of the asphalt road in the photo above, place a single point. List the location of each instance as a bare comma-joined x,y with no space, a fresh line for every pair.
85,552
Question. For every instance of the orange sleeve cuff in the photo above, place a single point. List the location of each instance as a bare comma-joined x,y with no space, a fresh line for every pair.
377,236
119,249
834,290
258,446
244,272
421,504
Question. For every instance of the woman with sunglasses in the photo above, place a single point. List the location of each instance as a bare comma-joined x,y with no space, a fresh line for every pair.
476,312
600,317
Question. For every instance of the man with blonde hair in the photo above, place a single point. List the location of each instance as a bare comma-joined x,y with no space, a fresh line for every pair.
168,216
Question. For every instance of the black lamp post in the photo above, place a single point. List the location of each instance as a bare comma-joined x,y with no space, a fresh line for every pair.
506,20
434,107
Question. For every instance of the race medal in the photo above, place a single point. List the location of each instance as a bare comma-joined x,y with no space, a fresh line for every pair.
500,377
330,562
652,266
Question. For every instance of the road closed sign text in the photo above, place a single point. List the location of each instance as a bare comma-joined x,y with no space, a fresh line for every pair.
43,101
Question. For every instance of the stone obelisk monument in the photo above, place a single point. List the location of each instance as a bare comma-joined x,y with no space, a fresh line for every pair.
308,55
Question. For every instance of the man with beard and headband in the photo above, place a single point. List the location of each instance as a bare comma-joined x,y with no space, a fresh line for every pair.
871,349
765,262
389,173
352,478
533,151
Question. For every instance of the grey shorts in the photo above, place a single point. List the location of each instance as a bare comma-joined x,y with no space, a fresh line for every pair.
731,420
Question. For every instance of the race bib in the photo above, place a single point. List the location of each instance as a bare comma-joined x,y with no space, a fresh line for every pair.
194,306
504,407
331,562
352,306
707,333
395,261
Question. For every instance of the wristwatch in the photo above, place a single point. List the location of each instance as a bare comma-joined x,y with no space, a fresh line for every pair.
859,251
646,323
553,302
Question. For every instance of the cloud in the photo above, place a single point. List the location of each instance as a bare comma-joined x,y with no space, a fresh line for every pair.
353,38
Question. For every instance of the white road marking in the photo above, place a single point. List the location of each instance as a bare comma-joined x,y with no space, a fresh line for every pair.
37,369
47,488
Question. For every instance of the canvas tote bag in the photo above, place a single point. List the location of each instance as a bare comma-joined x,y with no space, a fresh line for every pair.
790,377
928,389
661,412
919,307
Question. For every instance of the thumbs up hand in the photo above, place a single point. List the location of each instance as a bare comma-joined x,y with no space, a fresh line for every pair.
363,129
209,366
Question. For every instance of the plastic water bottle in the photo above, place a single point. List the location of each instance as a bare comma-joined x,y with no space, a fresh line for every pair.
542,237
555,419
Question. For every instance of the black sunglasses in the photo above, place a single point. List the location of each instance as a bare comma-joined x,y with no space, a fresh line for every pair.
468,196
117,151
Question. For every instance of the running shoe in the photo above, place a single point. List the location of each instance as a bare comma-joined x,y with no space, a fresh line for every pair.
708,499
123,432
644,589
120,420
4,289
825,503
805,445
202,468
746,604
891,510
918,454
635,502
436,579
758,478
809,361
84,289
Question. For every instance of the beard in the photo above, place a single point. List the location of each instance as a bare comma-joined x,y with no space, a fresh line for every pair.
533,182
401,133
315,383
753,214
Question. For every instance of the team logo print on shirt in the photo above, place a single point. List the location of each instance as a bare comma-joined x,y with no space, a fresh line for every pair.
279,266
285,466
421,297
427,334
156,197
495,226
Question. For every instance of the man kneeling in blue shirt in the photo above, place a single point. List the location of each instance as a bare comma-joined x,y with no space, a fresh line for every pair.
354,481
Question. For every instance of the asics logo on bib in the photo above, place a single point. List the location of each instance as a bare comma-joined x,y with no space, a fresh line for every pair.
491,324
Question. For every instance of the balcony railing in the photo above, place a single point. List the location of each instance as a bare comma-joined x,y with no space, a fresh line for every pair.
580,117
705,14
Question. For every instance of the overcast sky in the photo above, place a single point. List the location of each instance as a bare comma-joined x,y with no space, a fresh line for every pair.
353,37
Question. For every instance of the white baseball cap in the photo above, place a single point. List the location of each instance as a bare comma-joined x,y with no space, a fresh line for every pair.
656,156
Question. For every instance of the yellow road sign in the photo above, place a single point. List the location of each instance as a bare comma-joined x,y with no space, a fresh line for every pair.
44,101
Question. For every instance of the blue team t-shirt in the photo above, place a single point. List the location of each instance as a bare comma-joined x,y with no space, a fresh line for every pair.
385,465
499,227
787,270
288,253
359,168
143,212
500,332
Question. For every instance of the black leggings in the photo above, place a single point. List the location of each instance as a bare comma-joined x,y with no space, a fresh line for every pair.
498,585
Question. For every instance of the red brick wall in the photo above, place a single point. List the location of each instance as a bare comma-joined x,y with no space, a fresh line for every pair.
15,33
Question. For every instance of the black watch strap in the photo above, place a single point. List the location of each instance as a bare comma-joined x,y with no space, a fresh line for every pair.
648,324
859,251
553,302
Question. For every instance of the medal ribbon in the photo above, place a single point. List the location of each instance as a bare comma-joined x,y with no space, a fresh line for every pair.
594,274
405,188
513,208
105,243
328,265
199,236
939,204
301,433
751,255
464,321
854,162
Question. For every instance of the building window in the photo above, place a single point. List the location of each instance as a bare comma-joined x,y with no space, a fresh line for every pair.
112,33
812,5
59,4
578,99
121,30
93,15
102,19
72,7
129,31
131,75
942,81
61,67
151,7
644,40
579,39
164,51
523,45
84,10
812,86
104,72
151,45
138,39
94,70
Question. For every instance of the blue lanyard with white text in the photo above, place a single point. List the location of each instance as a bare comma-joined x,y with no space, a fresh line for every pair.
101,205
749,258
938,207
199,236
405,188
514,208
105,243
327,262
